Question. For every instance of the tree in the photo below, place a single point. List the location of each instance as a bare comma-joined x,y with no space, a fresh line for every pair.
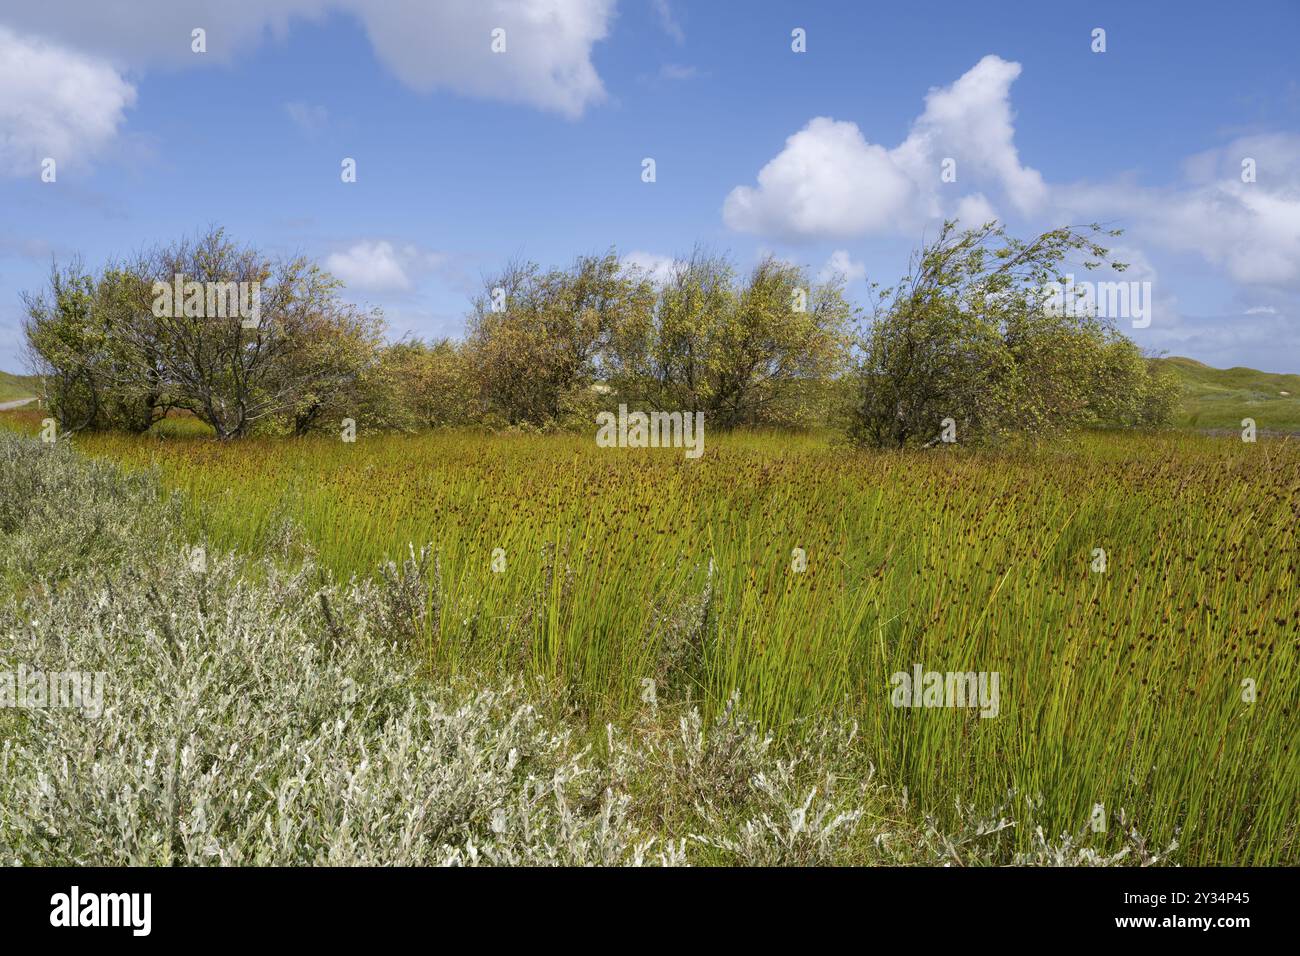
537,339
426,385
64,347
970,335
742,353
241,340
332,363
94,377
288,350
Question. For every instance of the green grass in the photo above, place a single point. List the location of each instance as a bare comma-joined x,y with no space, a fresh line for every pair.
17,386
1220,398
1122,688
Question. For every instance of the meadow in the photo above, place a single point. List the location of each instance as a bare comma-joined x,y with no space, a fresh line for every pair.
1214,398
802,575
14,387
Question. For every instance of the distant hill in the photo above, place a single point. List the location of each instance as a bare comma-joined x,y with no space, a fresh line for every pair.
1221,398
17,386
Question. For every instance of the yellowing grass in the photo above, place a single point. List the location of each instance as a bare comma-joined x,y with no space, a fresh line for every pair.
1122,688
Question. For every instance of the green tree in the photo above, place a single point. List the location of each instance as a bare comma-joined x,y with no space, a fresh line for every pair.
744,353
970,335
538,340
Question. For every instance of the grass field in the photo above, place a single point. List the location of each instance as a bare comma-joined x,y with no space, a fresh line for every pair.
1215,398
16,386
1122,688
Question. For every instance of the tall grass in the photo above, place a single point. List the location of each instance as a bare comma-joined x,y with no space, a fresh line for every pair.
1122,688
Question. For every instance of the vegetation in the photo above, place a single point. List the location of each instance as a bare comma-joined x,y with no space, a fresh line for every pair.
14,387
1121,687
499,646
256,712
1211,398
279,350
967,338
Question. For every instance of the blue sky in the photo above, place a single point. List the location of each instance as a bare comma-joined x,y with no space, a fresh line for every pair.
830,157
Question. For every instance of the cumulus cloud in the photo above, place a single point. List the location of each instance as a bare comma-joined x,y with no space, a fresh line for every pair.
971,122
55,102
974,210
842,264
428,46
830,182
378,265
1249,229
547,62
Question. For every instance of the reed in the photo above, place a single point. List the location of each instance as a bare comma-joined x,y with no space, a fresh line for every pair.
1127,688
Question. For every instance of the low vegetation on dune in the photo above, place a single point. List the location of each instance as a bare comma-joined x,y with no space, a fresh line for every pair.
1127,589
14,387
258,711
1219,399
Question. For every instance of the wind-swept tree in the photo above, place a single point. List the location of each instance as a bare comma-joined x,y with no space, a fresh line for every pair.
970,335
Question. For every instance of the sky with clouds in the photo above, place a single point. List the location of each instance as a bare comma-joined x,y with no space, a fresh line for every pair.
831,157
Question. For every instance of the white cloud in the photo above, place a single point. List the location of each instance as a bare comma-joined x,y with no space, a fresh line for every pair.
657,267
547,62
974,210
429,46
1224,340
380,266
971,122
55,102
830,182
1250,230
842,264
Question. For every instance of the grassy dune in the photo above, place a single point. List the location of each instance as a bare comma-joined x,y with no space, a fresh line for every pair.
1122,688
16,386
1221,398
